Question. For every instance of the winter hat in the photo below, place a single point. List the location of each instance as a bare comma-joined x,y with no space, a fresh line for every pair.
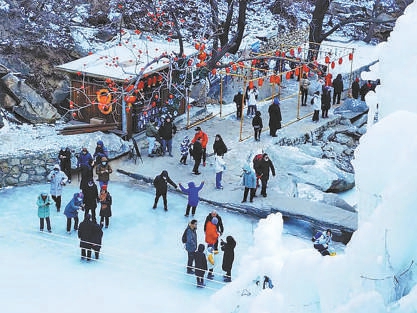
198,128
186,138
214,220
276,100
56,167
103,159
44,194
99,143
104,187
210,249
164,174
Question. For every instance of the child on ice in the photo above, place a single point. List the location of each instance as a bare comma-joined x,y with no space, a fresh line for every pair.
184,147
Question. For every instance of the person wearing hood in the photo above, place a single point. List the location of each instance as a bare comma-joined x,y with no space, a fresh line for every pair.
100,152
262,168
184,148
197,153
71,210
275,117
316,102
325,102
85,158
106,202
96,238
337,88
161,188
189,240
57,179
103,171
200,265
192,192
64,157
166,132
90,199
257,125
212,235
43,202
228,249
85,236
219,147
249,182
355,88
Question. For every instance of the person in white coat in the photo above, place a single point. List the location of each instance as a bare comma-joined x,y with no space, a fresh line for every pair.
316,102
219,167
57,179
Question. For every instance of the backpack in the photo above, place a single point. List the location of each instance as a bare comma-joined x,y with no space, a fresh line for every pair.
317,236
184,236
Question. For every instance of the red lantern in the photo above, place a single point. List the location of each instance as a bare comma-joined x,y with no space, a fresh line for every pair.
127,109
333,65
251,85
213,71
277,79
272,79
154,80
288,75
197,46
350,56
234,67
153,104
297,71
156,97
130,99
327,59
277,53
227,70
305,68
241,64
190,62
149,82
141,85
299,49
282,54
129,88
74,114
292,52
260,82
340,61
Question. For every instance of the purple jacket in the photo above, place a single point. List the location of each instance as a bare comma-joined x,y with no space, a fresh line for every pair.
192,193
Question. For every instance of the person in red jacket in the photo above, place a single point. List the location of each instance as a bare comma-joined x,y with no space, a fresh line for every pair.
211,232
204,140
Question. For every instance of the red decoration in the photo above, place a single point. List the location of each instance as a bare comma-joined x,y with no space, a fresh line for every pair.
333,65
283,54
350,56
327,59
299,49
130,99
74,114
260,82
305,68
234,67
251,85
288,75
292,52
340,61
213,71
227,70
297,71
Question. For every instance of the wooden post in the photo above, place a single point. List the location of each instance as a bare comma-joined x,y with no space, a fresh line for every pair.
241,115
221,93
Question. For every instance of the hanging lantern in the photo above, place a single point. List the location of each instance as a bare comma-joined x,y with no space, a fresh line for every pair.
251,85
227,70
253,62
299,50
340,61
189,107
327,59
234,67
154,80
127,109
156,97
305,68
277,53
292,52
332,65
153,104
260,82
130,99
149,82
129,88
288,75
190,62
213,71
171,96
141,85
277,79
297,71
272,79
202,56
350,56
241,64
282,54
74,114
197,46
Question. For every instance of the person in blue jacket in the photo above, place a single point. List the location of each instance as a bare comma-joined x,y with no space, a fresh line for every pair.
43,202
71,210
101,151
249,182
192,192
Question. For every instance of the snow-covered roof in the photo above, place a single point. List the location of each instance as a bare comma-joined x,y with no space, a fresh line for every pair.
125,58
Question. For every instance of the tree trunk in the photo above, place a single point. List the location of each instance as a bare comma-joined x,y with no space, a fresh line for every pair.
316,26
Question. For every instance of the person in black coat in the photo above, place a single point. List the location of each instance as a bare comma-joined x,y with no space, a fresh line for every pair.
365,89
219,146
166,131
96,238
161,184
220,227
228,248
85,235
337,88
355,88
64,157
275,117
325,102
262,168
257,125
238,99
90,199
197,153
200,265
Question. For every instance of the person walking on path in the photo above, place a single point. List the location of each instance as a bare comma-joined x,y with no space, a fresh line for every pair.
184,149
355,88
228,249
257,126
64,157
151,135
43,202
337,89
219,167
197,153
325,102
100,152
106,202
304,84
192,192
96,238
57,179
71,210
238,100
103,171
90,199
249,182
262,169
219,147
200,265
251,96
85,231
219,226
189,238
316,102
161,185
275,117
203,140
166,132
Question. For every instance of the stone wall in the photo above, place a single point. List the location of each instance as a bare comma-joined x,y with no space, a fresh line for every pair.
27,168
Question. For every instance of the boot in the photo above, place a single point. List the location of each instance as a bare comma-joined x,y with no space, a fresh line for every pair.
210,275
227,279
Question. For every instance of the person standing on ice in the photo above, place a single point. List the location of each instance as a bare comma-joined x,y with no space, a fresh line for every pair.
71,210
219,226
64,157
192,192
106,201
228,248
249,182
90,199
161,188
43,202
57,179
189,240
212,234
85,236
200,265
